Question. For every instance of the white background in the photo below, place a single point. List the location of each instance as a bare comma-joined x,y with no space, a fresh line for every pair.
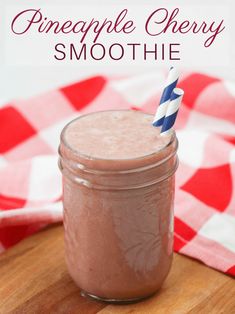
24,80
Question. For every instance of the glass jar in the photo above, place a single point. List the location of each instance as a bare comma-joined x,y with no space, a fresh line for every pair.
118,221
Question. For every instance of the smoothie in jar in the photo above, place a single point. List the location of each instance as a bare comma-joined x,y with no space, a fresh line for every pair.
118,182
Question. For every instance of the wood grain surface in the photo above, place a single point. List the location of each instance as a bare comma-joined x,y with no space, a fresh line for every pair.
34,279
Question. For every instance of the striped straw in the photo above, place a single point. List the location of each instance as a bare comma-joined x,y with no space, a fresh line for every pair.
170,84
172,110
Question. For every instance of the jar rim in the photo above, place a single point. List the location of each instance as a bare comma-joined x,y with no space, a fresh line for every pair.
90,158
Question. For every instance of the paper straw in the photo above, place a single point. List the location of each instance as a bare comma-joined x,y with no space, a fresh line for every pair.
172,110
170,84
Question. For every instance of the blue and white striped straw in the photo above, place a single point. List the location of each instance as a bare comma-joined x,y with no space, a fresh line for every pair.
172,110
170,84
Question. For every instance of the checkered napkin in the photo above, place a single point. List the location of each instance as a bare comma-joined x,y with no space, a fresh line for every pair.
30,182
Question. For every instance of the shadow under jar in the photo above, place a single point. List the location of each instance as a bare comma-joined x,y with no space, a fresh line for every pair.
118,193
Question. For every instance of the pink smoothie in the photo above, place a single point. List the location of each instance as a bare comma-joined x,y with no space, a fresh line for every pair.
118,203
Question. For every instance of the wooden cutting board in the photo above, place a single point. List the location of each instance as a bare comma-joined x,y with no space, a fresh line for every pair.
34,279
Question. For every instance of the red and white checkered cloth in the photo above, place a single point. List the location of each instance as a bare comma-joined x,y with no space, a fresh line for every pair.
30,183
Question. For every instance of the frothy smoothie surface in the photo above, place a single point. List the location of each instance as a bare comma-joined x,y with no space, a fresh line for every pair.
115,135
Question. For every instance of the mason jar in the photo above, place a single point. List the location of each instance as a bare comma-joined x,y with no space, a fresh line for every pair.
118,212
